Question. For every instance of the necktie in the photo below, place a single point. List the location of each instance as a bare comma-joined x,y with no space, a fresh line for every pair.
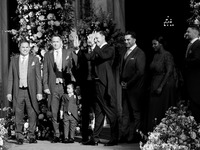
23,60
126,54
188,48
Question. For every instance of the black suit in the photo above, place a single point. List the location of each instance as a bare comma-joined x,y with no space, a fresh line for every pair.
106,101
83,75
132,71
193,78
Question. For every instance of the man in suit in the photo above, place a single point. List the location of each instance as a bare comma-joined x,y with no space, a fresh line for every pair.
56,73
24,89
132,71
192,70
82,71
106,102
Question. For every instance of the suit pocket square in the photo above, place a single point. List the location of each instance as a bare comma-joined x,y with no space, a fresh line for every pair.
132,58
67,57
33,63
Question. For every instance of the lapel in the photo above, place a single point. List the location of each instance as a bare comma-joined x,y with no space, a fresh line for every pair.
131,55
64,58
30,59
17,64
51,56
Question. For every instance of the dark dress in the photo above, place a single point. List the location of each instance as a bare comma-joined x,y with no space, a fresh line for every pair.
162,66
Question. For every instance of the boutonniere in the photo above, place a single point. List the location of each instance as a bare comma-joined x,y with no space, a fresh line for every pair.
33,63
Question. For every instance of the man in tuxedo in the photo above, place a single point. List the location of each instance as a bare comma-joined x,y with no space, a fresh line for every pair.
106,102
132,70
56,73
24,89
192,70
82,71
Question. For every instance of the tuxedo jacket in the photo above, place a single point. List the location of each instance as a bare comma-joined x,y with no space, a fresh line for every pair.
49,76
103,59
70,104
193,72
34,81
132,68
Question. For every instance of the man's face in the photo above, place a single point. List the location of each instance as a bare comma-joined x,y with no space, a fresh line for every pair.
24,48
100,39
129,41
56,42
191,33
70,89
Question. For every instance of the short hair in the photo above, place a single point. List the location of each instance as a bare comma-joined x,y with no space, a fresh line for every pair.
56,35
72,83
23,41
194,26
132,33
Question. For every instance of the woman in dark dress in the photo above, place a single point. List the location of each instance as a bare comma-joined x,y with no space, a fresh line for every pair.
162,89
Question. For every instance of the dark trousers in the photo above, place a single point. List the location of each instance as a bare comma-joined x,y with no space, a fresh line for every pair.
105,106
22,101
88,98
131,114
55,108
70,124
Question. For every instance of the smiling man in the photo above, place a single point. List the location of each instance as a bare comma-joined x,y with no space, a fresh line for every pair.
24,89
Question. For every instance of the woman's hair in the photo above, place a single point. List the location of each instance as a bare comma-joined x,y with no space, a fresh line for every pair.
161,40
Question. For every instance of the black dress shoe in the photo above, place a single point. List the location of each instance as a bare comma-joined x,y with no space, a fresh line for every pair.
55,140
32,140
111,143
90,142
20,141
71,140
66,140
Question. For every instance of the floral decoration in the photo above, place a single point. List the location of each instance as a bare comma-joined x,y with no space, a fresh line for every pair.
177,131
195,18
39,20
95,22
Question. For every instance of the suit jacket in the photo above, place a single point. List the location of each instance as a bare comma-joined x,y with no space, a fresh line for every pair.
34,81
70,104
103,59
193,71
132,69
49,76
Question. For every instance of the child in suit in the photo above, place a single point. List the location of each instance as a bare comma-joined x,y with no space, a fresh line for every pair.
69,113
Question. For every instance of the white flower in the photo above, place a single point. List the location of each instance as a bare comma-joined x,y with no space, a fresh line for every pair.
26,125
56,23
50,16
41,17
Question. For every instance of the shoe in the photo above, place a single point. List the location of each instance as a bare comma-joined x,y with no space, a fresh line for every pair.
55,140
90,142
71,140
20,141
32,140
66,140
122,140
111,143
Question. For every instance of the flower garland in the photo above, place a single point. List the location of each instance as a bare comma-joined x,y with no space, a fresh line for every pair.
177,131
39,20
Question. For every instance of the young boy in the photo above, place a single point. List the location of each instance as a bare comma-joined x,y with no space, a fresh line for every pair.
69,113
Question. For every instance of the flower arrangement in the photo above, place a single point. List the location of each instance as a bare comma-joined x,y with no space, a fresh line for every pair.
104,22
177,131
195,18
39,20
